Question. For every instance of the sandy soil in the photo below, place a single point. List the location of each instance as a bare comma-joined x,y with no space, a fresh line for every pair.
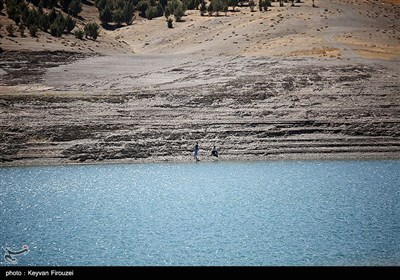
290,83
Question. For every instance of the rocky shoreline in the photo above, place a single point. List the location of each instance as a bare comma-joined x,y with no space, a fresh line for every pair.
152,109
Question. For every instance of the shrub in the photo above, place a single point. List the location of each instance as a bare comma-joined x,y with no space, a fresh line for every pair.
264,4
177,9
164,3
217,6
225,9
91,30
142,7
118,16
30,17
203,8
21,29
160,10
167,13
210,9
33,29
69,24
191,4
128,12
151,12
15,9
79,34
44,22
75,7
179,13
233,3
55,30
105,14
58,26
252,4
170,23
52,15
120,11
10,29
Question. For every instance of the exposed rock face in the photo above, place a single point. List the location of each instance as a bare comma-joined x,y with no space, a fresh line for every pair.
250,108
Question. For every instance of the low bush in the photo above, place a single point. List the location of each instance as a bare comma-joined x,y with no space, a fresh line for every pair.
79,33
92,30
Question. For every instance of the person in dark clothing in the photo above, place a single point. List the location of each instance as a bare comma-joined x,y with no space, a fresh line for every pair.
214,152
196,151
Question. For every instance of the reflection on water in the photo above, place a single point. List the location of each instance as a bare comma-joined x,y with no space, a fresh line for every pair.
224,213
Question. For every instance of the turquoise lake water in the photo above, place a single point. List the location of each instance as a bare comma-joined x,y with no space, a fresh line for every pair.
216,213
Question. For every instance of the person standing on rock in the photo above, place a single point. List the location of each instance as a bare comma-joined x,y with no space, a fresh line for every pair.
196,151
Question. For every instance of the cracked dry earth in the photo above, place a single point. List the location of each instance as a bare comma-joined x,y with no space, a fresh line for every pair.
120,109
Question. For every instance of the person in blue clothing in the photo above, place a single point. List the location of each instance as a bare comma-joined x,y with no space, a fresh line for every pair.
196,151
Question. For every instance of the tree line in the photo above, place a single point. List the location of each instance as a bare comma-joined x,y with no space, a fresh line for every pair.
43,15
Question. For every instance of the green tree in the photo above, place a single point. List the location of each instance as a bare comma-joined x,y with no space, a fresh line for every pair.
30,17
118,16
252,4
142,7
217,6
128,12
266,4
33,29
15,9
233,4
106,15
167,12
69,23
177,9
203,8
225,9
75,7
44,22
151,12
58,26
179,13
210,9
160,10
119,11
191,4
164,3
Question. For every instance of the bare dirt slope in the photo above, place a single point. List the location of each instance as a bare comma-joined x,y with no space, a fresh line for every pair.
293,82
